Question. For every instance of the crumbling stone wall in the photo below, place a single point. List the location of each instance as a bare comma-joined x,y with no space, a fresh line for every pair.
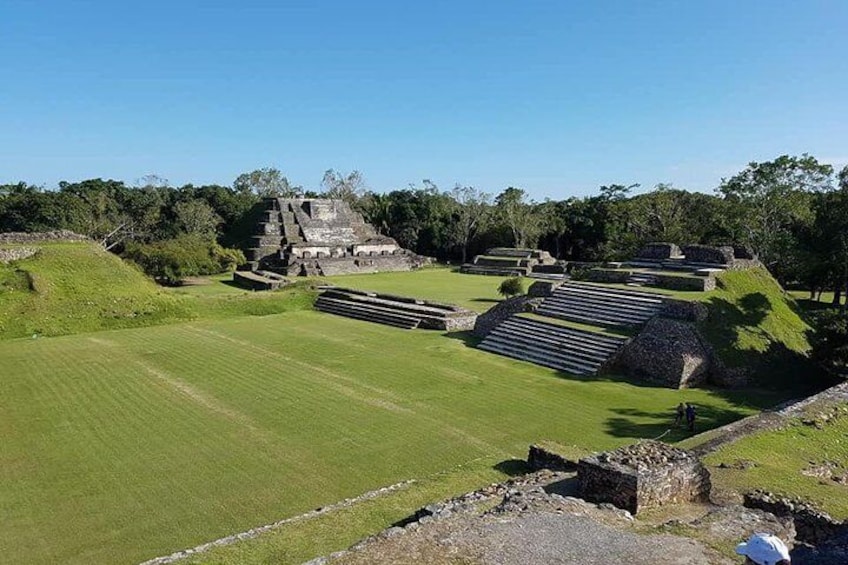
659,251
812,526
540,458
686,310
708,254
505,309
36,237
643,475
16,254
543,289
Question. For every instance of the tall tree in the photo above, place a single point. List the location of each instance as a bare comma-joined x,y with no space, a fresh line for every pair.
349,187
472,212
766,199
267,182
514,209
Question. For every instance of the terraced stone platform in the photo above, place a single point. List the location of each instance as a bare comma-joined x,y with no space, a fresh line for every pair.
398,311
549,336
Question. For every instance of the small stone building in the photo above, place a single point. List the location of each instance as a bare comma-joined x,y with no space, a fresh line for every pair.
643,475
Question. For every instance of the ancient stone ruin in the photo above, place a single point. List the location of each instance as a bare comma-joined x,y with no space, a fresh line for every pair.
557,333
643,475
260,280
398,311
300,237
513,262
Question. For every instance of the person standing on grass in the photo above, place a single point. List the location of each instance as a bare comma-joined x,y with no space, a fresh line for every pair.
690,417
678,417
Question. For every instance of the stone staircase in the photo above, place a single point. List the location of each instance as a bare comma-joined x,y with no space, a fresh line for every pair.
599,305
582,350
550,345
397,311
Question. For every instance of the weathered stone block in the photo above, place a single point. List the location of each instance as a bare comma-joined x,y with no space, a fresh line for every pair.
643,475
708,254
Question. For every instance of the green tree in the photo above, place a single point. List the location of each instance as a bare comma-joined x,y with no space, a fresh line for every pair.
196,217
519,215
470,215
267,182
767,199
829,341
349,187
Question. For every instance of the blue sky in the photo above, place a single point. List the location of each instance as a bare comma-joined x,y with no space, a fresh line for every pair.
554,97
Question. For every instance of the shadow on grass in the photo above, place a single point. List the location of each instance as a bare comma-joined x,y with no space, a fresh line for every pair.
653,425
487,300
467,338
512,467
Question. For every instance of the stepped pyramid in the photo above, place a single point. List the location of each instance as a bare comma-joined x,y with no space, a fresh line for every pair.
557,335
310,236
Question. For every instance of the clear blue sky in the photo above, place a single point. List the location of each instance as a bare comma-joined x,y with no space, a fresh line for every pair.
555,97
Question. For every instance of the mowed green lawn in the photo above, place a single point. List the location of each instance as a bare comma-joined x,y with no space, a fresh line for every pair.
123,445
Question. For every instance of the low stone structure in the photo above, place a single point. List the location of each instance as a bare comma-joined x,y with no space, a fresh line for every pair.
511,261
708,254
17,254
399,311
668,353
259,280
643,475
310,236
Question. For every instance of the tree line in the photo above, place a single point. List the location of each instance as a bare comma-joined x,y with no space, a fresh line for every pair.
792,211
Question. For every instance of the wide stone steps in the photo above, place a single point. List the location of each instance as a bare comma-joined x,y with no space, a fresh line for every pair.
369,313
601,305
567,349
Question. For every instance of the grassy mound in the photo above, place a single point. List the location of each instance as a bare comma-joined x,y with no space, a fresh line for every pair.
70,288
78,287
753,323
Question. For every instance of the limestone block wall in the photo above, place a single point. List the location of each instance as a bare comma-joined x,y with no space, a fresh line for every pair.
667,353
644,475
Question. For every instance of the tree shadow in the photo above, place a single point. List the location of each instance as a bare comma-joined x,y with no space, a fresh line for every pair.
660,425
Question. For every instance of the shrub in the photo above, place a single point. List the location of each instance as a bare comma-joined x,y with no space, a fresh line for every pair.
172,260
511,287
